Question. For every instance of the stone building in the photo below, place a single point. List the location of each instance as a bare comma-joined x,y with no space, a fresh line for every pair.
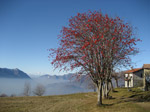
138,77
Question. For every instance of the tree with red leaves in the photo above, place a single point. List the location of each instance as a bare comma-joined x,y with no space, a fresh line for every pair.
94,44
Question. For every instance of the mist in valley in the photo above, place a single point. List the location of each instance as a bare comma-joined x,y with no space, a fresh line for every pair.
53,85
12,86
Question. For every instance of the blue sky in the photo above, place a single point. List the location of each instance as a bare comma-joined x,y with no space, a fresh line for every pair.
29,27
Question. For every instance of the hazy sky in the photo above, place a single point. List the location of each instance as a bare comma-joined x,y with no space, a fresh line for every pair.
29,27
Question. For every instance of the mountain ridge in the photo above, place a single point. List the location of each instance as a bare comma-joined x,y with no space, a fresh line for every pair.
68,76
13,73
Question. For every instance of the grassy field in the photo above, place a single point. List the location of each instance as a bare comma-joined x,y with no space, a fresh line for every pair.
123,101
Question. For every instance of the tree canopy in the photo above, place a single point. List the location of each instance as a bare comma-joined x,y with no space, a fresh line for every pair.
96,44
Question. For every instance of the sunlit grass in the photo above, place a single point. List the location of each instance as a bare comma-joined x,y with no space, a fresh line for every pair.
123,101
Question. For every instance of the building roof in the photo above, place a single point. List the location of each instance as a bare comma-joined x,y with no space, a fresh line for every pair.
133,70
146,65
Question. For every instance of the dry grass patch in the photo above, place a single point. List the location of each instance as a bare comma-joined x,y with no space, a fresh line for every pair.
124,101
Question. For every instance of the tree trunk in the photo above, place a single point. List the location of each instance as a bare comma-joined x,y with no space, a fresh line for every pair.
116,83
112,88
106,90
99,91
103,91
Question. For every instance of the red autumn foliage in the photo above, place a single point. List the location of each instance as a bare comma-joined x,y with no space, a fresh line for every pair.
96,44
94,36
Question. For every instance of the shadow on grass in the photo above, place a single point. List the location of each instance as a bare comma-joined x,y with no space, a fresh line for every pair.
129,96
135,98
114,91
132,98
105,105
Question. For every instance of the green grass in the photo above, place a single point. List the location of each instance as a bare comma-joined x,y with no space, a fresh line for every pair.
123,101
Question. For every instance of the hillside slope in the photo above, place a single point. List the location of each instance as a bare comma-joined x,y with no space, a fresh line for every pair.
123,101
13,73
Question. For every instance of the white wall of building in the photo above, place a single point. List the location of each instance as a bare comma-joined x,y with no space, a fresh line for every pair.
130,82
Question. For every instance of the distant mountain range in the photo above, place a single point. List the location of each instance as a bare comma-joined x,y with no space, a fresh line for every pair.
13,73
63,84
69,76
49,79
13,80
